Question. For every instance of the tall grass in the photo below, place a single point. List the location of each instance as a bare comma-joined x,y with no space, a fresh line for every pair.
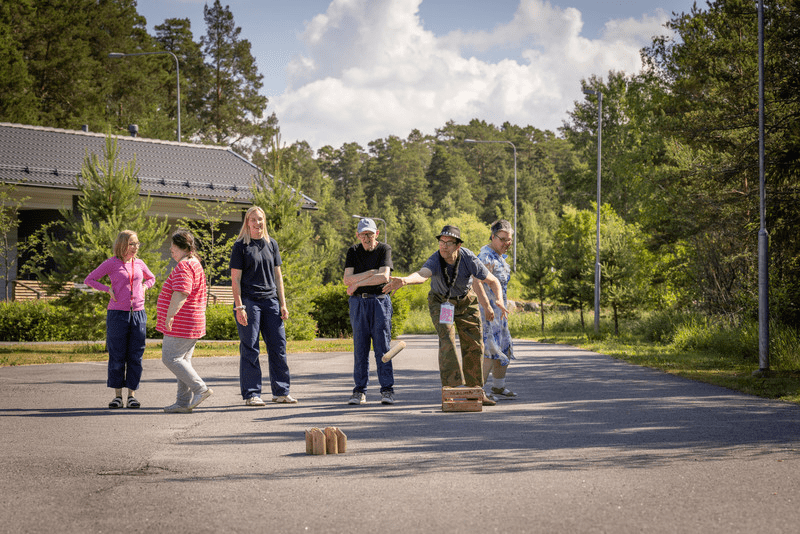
676,331
419,322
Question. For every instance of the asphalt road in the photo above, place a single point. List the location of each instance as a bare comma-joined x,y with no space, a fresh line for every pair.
592,444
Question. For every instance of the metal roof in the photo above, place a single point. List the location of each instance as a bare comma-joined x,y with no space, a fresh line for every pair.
52,157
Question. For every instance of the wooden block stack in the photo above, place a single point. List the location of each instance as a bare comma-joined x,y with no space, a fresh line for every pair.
331,440
462,399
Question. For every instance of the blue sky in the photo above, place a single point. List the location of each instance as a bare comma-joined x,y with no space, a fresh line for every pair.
339,71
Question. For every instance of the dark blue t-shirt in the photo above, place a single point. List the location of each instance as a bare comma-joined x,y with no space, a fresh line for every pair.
257,261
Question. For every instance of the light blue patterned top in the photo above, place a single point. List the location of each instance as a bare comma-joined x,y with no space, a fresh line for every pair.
496,336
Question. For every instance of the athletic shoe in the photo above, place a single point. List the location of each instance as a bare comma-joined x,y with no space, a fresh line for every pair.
357,398
255,401
177,408
197,398
284,399
387,397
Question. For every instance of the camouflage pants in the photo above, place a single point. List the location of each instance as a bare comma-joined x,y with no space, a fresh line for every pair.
467,321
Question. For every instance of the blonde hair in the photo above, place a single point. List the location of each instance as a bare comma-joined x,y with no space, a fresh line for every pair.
121,244
244,233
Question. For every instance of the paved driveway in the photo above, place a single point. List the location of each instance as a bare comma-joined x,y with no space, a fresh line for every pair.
591,445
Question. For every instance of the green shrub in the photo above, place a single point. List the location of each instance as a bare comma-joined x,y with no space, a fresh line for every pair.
419,322
660,326
301,324
718,337
401,305
784,347
220,323
332,311
417,295
40,320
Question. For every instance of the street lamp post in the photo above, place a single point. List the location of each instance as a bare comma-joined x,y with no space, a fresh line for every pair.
763,236
515,189
385,237
118,55
597,249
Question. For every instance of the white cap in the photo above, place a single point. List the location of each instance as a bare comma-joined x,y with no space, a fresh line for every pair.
367,225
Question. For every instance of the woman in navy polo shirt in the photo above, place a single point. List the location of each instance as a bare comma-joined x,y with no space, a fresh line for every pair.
259,305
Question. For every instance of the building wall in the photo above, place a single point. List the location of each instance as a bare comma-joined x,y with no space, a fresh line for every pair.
43,205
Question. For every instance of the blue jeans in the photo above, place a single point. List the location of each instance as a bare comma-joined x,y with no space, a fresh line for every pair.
125,340
371,319
263,316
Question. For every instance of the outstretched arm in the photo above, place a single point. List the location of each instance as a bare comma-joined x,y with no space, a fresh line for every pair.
396,282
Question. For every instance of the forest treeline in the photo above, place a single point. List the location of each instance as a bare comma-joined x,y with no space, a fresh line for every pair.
680,175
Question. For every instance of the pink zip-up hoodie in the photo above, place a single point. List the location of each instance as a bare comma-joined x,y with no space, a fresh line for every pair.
128,287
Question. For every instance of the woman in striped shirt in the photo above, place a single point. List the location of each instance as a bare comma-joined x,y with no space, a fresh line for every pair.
182,320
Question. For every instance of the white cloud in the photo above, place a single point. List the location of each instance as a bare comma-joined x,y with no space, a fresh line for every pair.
372,70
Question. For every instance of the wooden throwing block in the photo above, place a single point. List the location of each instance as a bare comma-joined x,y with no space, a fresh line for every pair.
328,441
462,399
341,440
315,441
331,443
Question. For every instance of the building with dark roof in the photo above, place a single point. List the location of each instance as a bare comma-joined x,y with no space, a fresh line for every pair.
43,164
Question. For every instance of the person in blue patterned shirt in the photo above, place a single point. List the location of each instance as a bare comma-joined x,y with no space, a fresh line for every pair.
498,348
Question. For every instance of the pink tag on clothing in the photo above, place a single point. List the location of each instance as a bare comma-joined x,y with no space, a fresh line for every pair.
446,313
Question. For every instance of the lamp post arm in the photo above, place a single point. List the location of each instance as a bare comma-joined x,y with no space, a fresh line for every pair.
515,189
118,55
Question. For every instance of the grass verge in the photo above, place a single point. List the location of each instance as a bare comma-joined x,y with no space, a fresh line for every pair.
42,353
703,366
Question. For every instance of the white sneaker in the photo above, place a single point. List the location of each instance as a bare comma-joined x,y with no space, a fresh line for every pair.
197,398
177,408
387,397
357,398
284,399
255,401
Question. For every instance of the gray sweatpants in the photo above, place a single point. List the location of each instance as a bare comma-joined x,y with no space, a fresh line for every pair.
176,353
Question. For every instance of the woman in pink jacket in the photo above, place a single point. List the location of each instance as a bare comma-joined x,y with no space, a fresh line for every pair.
126,320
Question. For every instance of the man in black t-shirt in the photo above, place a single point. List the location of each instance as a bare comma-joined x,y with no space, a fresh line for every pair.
366,270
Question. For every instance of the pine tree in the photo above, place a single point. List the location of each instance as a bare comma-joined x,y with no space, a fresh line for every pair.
536,254
19,102
292,229
10,204
175,35
109,201
214,244
233,108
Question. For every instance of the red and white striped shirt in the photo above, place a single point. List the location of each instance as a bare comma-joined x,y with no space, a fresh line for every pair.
190,321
